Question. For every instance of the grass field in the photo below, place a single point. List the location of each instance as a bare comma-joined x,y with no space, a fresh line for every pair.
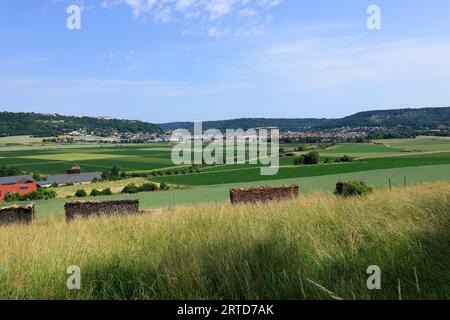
233,174
316,247
420,160
220,193
53,160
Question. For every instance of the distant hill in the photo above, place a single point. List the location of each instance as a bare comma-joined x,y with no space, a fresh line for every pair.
36,124
423,118
247,123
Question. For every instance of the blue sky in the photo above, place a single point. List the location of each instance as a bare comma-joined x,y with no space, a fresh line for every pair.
180,60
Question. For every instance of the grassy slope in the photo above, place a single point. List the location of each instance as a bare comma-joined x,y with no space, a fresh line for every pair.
252,252
220,193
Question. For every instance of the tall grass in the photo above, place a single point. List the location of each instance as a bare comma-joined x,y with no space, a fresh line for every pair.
316,247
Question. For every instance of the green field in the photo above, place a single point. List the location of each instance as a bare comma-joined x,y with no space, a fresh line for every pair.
53,160
220,193
419,160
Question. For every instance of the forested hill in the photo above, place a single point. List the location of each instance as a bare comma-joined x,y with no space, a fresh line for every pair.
247,123
35,124
423,118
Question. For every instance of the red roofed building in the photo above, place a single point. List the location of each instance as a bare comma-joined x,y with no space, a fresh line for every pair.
21,188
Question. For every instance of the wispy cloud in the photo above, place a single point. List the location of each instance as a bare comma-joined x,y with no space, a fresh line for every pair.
21,61
208,14
338,62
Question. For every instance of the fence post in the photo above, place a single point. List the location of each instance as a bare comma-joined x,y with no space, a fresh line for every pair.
174,200
390,184
404,181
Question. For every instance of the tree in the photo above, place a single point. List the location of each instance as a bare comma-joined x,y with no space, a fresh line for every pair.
164,187
312,158
299,160
95,193
107,192
80,193
130,188
309,158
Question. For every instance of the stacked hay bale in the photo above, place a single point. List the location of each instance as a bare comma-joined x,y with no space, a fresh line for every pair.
17,214
87,209
263,194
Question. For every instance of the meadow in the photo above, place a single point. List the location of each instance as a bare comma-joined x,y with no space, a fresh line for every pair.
424,159
315,247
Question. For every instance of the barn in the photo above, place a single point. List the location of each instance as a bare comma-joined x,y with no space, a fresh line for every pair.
22,187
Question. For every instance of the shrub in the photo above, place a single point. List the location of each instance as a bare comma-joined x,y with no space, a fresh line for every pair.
95,193
148,187
11,197
312,158
164,187
80,193
107,192
54,185
299,160
346,159
356,188
130,188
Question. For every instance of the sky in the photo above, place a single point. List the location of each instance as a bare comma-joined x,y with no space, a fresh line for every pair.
184,60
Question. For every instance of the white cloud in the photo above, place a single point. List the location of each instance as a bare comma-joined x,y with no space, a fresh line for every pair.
207,13
326,63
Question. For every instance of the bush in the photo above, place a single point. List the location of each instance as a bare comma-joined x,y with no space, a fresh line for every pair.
312,158
299,160
289,154
130,188
80,193
357,188
148,187
164,187
107,192
11,197
346,159
95,193
309,158
54,185
40,194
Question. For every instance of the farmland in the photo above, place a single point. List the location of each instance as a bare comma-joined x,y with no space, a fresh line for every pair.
419,160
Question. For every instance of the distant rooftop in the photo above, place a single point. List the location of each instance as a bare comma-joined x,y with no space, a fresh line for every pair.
70,178
15,179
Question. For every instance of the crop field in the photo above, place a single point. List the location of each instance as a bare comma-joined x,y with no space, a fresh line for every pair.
417,160
196,195
53,160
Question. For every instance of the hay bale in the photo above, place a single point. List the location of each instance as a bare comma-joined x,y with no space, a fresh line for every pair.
263,193
17,214
87,209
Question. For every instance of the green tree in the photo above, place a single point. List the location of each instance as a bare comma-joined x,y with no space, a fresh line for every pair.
80,193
